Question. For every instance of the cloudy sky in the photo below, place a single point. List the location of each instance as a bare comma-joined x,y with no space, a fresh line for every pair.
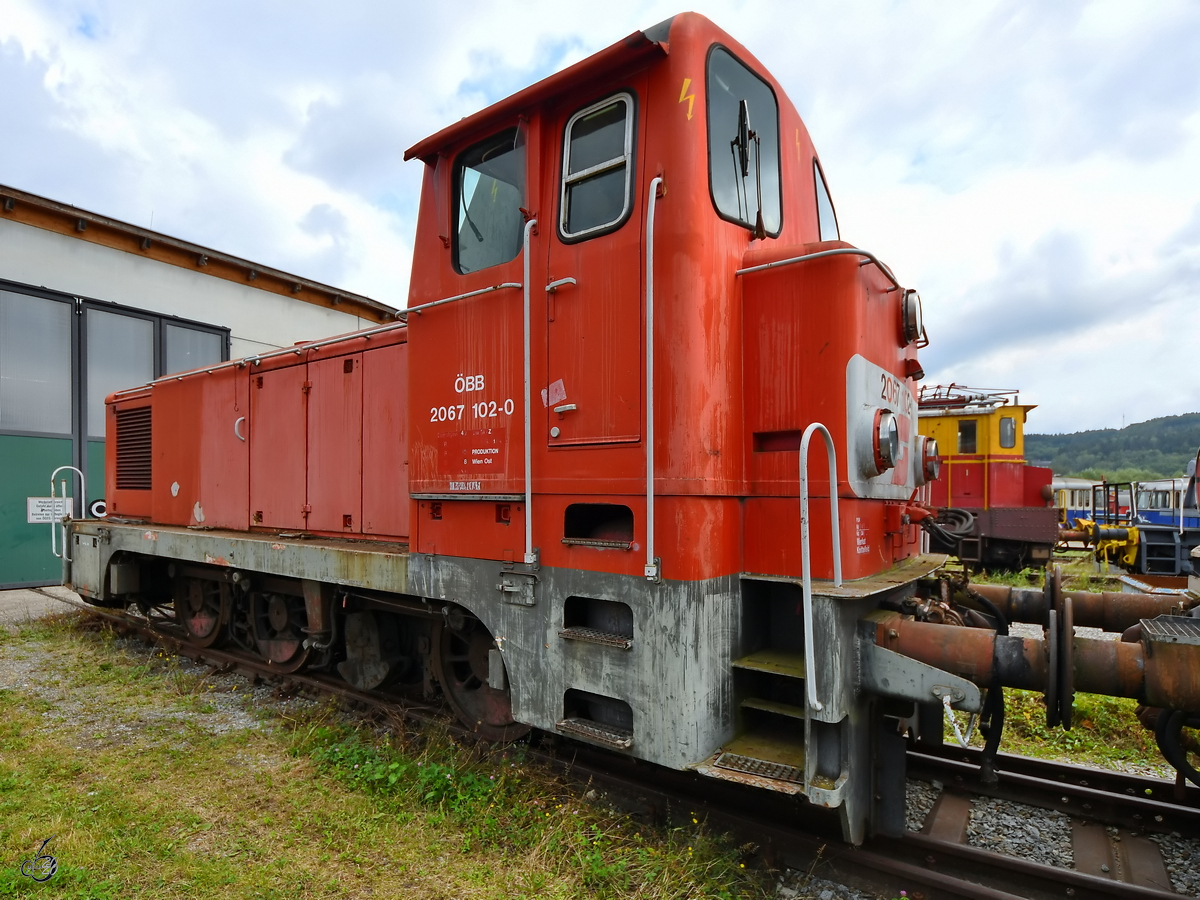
1032,168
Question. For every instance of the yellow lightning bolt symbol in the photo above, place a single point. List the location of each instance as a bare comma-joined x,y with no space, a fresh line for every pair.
684,95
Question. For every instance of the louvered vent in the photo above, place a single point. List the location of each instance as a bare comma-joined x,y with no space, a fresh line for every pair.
133,449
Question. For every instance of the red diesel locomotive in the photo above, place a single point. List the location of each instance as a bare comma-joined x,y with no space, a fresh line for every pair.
571,486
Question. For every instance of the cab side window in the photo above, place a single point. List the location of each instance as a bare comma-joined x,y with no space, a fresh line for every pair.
1008,432
826,217
597,168
743,144
967,429
489,191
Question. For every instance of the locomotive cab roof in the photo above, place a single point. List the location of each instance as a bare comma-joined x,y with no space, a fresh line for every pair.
637,47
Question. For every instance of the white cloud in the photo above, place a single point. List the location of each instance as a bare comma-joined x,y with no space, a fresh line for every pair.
1033,169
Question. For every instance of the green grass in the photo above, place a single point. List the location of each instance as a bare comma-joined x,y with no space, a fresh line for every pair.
114,750
1105,733
1078,574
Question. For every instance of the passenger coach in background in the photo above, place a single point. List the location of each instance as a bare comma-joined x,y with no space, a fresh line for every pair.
571,489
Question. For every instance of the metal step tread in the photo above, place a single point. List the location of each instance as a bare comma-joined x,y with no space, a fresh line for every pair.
772,706
762,767
609,735
774,662
595,636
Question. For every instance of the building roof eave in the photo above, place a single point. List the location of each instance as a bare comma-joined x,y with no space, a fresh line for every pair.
72,221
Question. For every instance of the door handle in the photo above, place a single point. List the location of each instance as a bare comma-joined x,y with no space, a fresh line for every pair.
553,286
237,428
565,408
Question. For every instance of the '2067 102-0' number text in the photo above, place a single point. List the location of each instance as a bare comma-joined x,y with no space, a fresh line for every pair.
484,409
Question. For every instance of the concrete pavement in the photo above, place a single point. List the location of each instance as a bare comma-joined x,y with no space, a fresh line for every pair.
20,606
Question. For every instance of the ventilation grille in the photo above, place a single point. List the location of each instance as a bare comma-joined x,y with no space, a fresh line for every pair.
133,449
1172,630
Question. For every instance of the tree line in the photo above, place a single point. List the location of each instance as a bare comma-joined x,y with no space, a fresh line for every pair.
1158,448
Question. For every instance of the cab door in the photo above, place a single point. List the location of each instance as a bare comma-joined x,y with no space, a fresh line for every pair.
594,275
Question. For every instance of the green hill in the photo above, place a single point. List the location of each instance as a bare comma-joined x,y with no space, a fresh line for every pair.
1158,448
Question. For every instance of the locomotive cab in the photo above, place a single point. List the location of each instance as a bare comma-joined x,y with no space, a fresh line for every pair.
645,246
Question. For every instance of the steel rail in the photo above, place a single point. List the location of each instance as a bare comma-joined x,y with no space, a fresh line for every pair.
799,835
1134,802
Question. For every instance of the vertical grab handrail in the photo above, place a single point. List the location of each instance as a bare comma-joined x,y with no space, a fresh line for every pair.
530,556
653,566
810,671
82,504
1181,495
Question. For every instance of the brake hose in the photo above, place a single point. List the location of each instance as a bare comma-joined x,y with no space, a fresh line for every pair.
991,720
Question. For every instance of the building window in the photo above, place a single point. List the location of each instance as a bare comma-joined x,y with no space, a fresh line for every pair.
1008,432
35,364
966,436
120,354
188,348
743,144
826,217
489,191
597,168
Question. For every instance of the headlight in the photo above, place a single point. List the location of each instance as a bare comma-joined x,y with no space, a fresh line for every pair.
929,467
913,318
886,439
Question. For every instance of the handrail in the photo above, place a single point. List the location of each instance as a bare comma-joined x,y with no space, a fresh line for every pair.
257,358
487,290
530,555
810,672
653,569
82,513
840,251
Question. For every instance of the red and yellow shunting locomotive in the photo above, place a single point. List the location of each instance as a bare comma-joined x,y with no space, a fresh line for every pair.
570,488
1003,507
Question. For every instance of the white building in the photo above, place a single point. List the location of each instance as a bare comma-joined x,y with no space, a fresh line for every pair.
90,305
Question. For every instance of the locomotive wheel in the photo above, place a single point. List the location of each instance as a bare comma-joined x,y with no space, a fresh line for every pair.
278,622
460,661
202,608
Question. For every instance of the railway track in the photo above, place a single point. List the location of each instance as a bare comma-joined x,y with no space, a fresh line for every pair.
1111,813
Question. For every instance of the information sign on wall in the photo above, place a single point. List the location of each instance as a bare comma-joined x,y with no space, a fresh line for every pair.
47,510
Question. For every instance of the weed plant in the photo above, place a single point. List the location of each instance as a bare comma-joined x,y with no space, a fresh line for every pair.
1079,573
158,782
499,802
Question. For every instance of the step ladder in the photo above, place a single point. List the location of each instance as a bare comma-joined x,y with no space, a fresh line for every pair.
775,713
